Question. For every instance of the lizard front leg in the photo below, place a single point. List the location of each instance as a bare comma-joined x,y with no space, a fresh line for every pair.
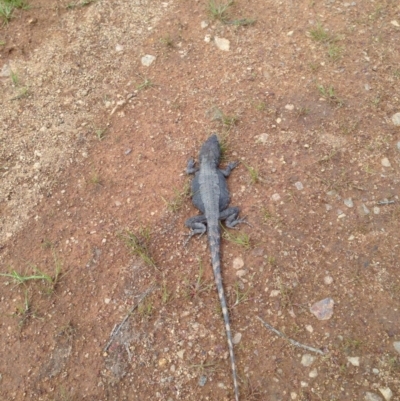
228,169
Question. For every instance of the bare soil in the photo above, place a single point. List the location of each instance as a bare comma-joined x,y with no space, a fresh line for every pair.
93,148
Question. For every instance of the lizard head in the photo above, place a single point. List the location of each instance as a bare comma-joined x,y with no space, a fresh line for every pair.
211,150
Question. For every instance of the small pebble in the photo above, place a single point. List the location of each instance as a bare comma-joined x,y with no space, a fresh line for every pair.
147,60
107,300
376,210
180,353
119,48
203,24
396,119
398,145
372,397
328,280
328,207
299,186
354,360
202,381
241,273
307,360
127,151
395,23
313,374
323,310
238,263
386,392
222,44
375,371
289,107
396,345
276,197
351,238
348,202
236,338
309,328
385,162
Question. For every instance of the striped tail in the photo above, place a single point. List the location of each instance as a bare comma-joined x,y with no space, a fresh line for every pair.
214,241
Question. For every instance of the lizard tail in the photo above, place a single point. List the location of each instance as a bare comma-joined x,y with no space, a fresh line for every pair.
215,242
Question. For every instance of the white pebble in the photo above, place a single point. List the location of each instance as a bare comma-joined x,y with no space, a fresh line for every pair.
119,48
299,186
328,280
309,328
313,374
274,293
372,397
396,119
241,273
147,60
222,44
385,162
180,353
236,338
289,107
396,345
238,263
376,210
386,392
354,360
203,24
348,202
307,360
107,300
276,197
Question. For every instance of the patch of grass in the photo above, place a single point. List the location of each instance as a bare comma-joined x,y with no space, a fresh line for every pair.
396,72
218,10
328,92
302,111
350,345
95,179
7,8
50,280
24,278
14,78
146,308
79,4
241,296
319,34
261,106
240,238
167,41
24,311
271,260
228,121
100,133
139,245
2,42
334,52
205,368
193,290
254,175
176,203
146,84
166,295
24,92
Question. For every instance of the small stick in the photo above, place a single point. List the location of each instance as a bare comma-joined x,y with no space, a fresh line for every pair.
118,328
296,343
386,202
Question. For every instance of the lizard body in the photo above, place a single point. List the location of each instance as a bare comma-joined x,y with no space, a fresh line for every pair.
211,197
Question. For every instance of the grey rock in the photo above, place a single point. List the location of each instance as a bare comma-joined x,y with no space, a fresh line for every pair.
202,381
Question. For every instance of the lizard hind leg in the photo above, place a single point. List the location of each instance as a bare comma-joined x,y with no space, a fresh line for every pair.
230,215
197,225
